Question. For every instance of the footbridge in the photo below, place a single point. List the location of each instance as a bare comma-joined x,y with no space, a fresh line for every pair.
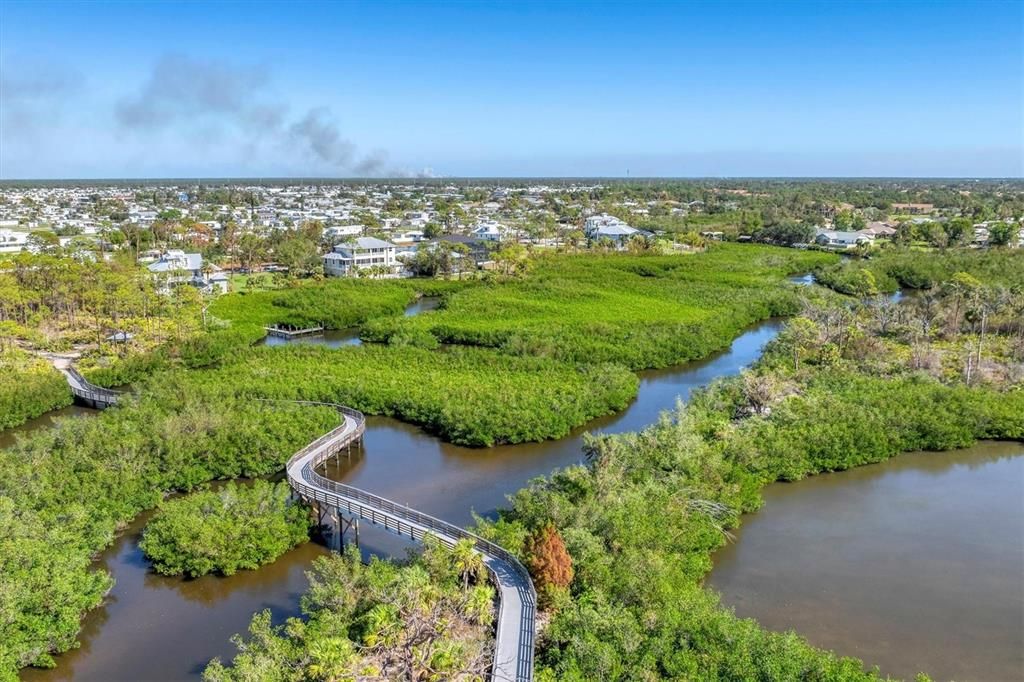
89,394
514,637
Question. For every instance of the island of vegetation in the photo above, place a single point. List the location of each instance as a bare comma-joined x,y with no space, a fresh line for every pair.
224,530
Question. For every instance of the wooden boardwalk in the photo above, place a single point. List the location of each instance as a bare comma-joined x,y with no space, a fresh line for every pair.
292,333
514,637
89,394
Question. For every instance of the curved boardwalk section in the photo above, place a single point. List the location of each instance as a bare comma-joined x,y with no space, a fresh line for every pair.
513,650
89,394
513,646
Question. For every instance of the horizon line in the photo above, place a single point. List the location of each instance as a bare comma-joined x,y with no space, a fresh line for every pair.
450,178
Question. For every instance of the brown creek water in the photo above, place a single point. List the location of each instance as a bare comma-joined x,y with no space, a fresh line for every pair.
46,421
336,338
915,564
158,628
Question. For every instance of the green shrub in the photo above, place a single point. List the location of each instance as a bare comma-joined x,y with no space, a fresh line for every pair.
28,388
470,396
639,311
235,527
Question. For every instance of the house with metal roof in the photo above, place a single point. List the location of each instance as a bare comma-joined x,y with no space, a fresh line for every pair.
605,227
836,239
175,267
362,253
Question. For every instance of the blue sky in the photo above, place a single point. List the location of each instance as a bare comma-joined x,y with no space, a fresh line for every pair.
341,89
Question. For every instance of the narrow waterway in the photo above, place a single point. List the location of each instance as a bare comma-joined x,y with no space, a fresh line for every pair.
158,628
337,338
9,436
915,564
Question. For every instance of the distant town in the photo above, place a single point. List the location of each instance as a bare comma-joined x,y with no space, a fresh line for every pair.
199,233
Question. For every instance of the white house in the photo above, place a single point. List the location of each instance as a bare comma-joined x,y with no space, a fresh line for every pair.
489,231
841,240
409,237
12,241
142,216
337,232
606,227
981,235
602,222
416,218
178,263
364,252
176,267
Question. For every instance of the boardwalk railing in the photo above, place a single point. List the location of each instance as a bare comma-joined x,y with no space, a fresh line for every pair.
94,396
291,333
514,641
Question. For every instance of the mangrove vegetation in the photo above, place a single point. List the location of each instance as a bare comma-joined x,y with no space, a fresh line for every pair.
237,526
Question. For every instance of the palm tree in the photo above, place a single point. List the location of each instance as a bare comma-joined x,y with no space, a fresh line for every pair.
468,562
479,604
383,626
331,657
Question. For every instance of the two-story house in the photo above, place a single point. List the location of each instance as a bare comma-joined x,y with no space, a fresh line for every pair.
489,231
361,253
175,267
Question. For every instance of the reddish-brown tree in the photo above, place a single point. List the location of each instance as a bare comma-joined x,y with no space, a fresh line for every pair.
549,563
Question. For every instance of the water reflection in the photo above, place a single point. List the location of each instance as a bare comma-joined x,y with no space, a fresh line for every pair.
423,304
804,280
915,564
9,437
335,338
338,338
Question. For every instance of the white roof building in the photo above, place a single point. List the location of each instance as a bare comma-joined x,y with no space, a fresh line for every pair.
604,226
343,231
176,260
12,241
489,231
362,253
839,239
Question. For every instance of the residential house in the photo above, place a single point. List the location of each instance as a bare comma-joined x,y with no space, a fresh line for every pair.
142,216
337,233
175,267
478,249
489,231
835,239
605,227
880,230
12,241
913,209
361,253
416,218
602,220
981,235
408,237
